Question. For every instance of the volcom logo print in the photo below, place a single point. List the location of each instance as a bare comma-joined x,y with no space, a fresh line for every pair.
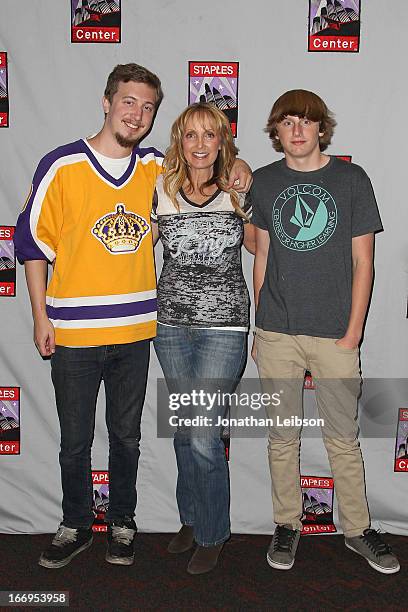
304,217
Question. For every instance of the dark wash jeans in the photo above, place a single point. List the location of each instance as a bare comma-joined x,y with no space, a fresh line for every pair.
191,359
77,374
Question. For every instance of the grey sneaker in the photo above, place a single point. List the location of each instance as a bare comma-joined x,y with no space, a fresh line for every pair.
66,544
378,554
282,551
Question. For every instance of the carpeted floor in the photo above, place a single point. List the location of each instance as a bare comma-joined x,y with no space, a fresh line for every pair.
326,576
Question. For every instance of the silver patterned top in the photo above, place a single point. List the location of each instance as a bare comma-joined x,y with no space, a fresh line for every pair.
201,283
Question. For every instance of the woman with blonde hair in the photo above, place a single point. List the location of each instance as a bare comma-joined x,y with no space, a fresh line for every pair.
203,315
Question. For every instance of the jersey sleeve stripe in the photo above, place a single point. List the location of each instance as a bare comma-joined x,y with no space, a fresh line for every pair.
27,244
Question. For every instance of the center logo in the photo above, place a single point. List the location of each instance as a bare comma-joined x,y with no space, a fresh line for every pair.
304,217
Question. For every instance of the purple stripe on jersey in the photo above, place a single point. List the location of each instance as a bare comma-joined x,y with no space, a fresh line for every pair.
107,311
142,152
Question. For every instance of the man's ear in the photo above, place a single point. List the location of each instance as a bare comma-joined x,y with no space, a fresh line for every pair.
105,105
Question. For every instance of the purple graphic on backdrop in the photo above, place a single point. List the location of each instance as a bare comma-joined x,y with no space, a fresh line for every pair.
101,498
4,101
317,501
327,13
316,6
7,253
9,415
402,440
3,82
218,89
89,10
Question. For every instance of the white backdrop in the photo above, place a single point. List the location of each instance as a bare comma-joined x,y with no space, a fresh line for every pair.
55,90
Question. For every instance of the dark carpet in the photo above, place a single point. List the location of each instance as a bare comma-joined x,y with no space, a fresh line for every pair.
326,576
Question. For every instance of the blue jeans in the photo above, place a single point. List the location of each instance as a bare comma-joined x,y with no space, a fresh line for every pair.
77,374
190,359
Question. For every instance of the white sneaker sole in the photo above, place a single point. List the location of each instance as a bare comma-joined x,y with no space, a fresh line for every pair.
119,560
279,566
57,564
379,568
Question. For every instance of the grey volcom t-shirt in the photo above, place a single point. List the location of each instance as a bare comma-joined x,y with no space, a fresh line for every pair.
311,218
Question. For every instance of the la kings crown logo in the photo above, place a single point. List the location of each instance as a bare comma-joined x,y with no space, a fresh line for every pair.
121,231
304,217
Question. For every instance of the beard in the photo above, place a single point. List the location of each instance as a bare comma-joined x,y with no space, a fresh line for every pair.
126,143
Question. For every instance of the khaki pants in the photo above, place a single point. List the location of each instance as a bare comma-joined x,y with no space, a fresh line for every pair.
282,360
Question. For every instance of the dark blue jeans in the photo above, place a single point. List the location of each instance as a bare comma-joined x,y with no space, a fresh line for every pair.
77,374
191,359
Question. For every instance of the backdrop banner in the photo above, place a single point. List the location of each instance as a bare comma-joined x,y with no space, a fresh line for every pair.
51,87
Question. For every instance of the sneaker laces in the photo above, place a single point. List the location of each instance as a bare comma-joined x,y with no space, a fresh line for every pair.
123,535
65,535
375,542
284,538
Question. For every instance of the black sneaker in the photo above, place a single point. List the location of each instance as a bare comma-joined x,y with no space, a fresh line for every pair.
121,542
378,554
65,545
282,551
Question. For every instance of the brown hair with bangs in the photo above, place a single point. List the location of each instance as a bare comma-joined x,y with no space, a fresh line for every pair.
301,103
176,166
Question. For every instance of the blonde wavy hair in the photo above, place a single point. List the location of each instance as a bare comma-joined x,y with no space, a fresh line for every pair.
176,168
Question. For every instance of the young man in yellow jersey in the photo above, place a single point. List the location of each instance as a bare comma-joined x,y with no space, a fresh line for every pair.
88,214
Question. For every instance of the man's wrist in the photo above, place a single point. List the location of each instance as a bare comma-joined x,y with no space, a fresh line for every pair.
40,313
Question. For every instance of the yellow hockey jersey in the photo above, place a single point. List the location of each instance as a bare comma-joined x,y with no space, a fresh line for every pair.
95,230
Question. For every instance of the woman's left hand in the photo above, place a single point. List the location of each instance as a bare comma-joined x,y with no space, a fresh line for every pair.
240,176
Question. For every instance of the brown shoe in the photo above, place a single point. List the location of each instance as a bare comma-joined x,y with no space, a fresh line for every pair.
204,559
182,541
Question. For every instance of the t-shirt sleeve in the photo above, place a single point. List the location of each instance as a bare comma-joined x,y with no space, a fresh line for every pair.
365,216
39,225
258,217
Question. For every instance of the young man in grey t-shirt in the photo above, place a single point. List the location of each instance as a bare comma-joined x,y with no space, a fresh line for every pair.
315,219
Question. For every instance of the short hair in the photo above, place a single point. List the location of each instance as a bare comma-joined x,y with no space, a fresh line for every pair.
175,164
123,73
301,103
